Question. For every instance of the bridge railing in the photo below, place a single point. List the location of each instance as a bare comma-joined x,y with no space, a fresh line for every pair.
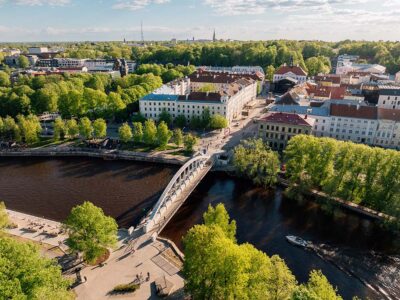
170,192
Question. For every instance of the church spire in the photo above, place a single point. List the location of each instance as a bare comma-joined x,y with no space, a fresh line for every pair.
214,38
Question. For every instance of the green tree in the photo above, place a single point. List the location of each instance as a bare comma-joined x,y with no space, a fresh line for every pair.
218,122
180,121
4,79
90,231
219,216
317,287
208,87
163,135
59,129
165,117
216,267
23,62
125,133
85,128
71,128
11,131
177,137
29,127
189,141
4,220
254,159
150,132
99,128
26,274
137,132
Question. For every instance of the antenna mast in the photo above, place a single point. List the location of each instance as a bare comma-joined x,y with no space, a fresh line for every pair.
141,31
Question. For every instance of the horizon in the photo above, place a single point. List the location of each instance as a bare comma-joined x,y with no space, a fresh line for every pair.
41,21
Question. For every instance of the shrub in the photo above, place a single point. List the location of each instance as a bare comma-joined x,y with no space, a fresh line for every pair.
126,288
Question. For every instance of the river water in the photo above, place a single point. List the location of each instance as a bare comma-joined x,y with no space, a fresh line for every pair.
349,249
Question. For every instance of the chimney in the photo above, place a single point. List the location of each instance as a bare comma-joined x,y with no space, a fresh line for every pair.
207,94
187,96
305,117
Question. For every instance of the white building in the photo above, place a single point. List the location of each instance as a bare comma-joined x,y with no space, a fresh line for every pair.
365,68
38,50
177,99
293,72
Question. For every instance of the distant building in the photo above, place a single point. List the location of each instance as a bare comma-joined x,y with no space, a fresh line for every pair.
38,50
364,68
278,128
342,60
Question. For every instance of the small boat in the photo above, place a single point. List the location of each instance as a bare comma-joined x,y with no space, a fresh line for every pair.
295,240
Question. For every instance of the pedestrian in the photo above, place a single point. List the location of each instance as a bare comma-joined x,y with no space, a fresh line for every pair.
84,277
148,275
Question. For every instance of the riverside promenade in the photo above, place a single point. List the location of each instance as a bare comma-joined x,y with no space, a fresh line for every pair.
62,151
157,258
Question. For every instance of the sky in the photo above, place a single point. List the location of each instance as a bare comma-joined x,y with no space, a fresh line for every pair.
104,20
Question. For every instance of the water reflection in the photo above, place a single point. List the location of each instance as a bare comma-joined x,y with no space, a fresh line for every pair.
264,218
51,187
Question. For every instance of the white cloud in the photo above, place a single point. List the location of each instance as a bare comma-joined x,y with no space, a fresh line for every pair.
41,2
136,4
252,7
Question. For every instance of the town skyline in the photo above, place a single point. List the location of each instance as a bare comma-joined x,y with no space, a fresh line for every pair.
75,20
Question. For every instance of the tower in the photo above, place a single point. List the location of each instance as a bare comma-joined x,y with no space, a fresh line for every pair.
214,38
141,32
291,61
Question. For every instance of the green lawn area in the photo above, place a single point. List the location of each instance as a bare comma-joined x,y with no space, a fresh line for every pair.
46,142
140,147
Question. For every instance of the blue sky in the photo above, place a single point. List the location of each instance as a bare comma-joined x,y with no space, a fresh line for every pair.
76,20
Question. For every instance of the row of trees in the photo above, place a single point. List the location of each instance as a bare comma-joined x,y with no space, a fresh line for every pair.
354,172
205,121
22,129
168,72
93,95
85,128
217,267
152,134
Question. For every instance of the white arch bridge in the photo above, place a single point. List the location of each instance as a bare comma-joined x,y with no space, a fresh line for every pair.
176,192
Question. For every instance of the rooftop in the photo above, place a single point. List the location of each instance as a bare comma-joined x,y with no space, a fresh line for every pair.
354,111
286,118
293,69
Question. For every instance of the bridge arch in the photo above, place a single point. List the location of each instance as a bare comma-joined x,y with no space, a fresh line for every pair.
176,185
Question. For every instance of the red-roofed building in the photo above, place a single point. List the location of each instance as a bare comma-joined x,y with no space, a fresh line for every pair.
278,128
293,72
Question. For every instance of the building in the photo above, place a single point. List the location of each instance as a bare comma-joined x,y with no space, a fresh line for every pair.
181,98
388,133
38,50
287,77
291,71
397,77
364,68
389,96
343,59
278,128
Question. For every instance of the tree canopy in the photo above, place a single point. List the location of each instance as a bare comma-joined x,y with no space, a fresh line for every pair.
26,274
90,231
254,159
216,267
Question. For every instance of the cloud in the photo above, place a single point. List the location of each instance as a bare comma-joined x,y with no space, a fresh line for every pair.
136,4
253,7
41,2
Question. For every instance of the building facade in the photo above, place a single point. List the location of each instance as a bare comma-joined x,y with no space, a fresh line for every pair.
180,97
276,129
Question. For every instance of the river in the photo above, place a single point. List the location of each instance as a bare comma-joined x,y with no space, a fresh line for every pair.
126,190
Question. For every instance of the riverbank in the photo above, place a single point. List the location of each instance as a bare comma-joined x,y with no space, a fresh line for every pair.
155,157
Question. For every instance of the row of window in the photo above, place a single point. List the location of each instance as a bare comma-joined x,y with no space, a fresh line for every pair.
282,129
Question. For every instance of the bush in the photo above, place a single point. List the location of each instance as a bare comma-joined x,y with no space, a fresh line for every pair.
126,288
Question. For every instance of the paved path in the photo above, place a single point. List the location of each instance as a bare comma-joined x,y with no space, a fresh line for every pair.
123,266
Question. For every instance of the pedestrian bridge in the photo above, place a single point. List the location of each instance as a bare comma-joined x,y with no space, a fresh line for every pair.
176,192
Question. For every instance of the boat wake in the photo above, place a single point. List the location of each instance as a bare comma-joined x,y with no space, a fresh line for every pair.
377,271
